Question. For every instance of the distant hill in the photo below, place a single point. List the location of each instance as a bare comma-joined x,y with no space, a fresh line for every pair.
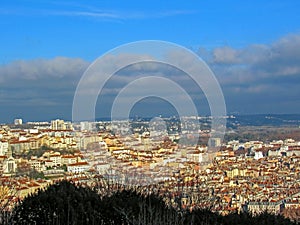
246,120
265,120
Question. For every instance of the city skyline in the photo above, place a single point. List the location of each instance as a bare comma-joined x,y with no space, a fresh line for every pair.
252,48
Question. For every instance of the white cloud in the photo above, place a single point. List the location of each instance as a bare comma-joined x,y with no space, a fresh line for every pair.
90,11
258,62
259,72
226,55
58,67
40,82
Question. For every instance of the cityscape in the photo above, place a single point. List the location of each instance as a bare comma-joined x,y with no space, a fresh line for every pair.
226,177
149,112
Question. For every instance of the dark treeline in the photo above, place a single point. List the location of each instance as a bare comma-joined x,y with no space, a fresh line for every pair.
65,203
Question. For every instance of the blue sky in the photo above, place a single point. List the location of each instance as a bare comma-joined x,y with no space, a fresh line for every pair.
84,29
46,46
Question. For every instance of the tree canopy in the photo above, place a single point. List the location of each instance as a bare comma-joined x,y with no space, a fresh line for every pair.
66,203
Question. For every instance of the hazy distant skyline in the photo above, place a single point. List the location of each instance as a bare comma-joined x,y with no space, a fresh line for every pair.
253,47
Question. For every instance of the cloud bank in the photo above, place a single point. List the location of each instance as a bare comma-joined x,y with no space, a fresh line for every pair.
260,78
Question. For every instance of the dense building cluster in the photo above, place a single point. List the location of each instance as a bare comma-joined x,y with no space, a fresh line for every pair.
223,177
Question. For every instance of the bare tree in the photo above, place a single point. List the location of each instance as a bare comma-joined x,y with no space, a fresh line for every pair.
8,196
